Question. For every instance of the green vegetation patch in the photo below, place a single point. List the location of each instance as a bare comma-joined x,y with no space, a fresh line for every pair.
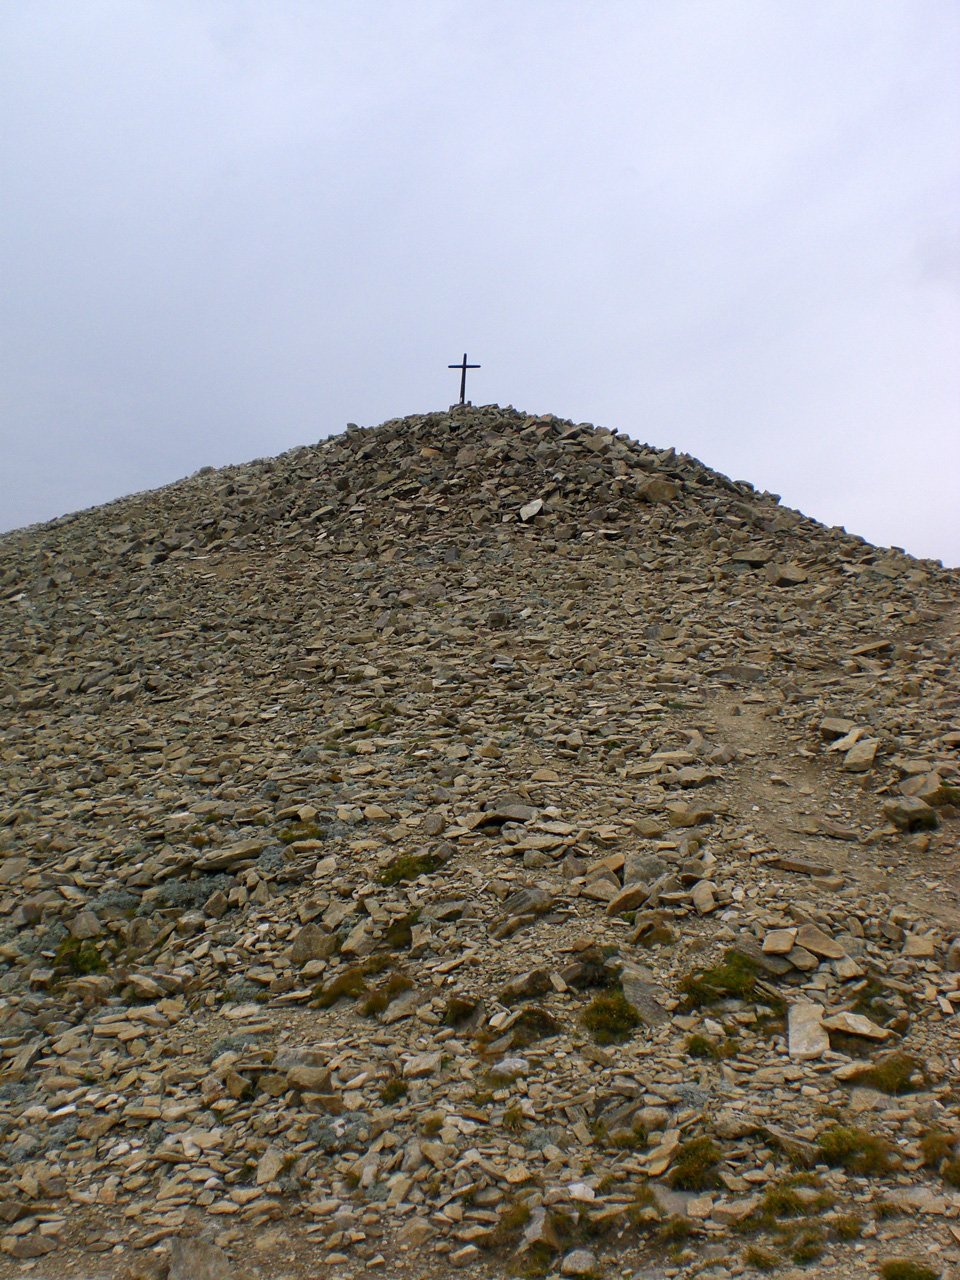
459,1010
808,1244
734,978
509,1227
701,1046
79,958
907,1269
610,1018
695,1165
761,1259
394,1090
533,1024
399,934
349,985
938,1150
846,1147
378,1001
408,866
301,831
895,1074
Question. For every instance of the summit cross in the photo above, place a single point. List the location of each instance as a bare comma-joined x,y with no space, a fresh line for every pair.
463,367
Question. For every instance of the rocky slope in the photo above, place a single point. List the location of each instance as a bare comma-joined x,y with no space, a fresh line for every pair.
477,845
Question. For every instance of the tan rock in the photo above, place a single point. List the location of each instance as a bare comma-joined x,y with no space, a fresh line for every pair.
309,1079
814,940
628,899
807,1038
421,1064
855,1024
861,756
779,942
704,897
919,946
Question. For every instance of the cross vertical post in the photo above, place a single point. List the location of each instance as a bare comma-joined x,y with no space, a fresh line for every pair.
463,367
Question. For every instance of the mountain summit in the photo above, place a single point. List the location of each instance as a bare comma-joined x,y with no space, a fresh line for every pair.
473,846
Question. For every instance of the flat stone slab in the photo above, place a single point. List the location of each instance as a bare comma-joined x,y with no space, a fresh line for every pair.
855,1024
806,1037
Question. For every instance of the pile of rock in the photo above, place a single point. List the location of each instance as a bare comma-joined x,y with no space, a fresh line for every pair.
473,843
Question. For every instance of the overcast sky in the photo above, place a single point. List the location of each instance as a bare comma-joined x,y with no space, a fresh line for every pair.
731,226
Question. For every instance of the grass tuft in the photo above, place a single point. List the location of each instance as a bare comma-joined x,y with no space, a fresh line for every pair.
674,1230
848,1226
808,1245
513,1120
399,934
79,958
701,1046
734,978
897,1073
394,1090
610,1018
408,866
855,1150
378,1001
760,1259
458,1010
907,1269
695,1166
533,1024
348,985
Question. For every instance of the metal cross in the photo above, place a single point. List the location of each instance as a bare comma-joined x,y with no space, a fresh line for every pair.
463,367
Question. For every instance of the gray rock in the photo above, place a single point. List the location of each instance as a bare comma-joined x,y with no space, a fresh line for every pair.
526,986
642,993
312,942
579,1262
643,868
196,1259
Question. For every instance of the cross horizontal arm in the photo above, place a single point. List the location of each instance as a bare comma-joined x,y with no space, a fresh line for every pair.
463,367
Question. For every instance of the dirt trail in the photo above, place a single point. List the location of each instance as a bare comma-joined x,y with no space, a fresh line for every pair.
778,789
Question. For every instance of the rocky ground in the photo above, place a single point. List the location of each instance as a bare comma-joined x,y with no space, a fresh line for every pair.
479,845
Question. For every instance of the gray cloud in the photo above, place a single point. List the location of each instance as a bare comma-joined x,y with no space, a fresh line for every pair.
230,228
